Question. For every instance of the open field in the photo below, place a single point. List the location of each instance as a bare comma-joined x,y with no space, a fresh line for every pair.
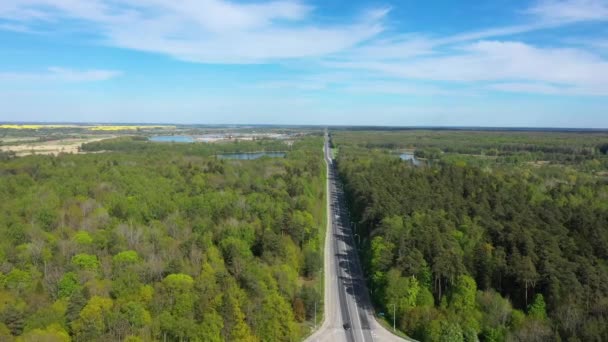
17,126
86,127
125,128
54,147
16,140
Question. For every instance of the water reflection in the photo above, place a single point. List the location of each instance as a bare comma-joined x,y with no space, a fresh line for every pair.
409,156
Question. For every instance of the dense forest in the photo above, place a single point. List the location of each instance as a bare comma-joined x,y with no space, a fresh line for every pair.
161,242
467,253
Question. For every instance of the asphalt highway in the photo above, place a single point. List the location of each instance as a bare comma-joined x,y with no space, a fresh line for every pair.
349,315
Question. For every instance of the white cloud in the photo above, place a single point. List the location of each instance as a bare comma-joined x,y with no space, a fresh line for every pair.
249,47
300,85
401,88
52,10
492,33
601,44
470,58
57,74
395,48
522,87
15,28
546,14
477,57
262,31
315,82
567,68
222,16
208,31
549,89
570,10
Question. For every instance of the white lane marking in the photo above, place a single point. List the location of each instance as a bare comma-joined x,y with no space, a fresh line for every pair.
352,239
344,289
349,265
335,226
350,271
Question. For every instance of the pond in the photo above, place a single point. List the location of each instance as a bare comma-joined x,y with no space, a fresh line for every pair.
172,138
409,156
250,156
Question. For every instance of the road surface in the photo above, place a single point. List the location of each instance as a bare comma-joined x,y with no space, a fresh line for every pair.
349,315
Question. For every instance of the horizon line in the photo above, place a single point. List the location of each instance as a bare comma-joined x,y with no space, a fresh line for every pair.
340,126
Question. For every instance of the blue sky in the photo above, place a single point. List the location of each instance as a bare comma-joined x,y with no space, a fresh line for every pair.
445,63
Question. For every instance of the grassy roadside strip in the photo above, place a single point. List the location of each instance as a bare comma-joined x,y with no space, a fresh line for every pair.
308,327
389,326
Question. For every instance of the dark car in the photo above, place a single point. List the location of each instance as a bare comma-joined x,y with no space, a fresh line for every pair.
346,326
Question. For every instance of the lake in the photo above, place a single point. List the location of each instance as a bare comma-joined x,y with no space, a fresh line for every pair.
250,156
409,156
172,138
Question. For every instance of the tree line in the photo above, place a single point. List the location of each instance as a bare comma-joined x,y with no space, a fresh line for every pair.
507,146
141,144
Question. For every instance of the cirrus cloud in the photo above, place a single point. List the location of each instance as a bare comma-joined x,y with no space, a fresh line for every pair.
58,74
271,31
207,31
563,11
